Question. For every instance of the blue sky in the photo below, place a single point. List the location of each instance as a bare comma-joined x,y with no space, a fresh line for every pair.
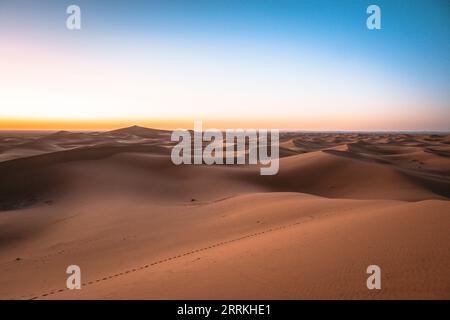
316,58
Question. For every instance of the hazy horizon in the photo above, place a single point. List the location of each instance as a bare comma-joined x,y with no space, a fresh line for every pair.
281,130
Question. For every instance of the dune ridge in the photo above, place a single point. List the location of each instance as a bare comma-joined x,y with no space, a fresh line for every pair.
143,228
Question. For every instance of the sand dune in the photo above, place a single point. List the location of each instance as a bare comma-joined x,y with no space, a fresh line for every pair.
140,227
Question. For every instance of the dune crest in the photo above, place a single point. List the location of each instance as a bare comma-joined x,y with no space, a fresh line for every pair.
139,226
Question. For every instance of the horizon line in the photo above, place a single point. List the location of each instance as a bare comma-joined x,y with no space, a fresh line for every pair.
315,124
280,129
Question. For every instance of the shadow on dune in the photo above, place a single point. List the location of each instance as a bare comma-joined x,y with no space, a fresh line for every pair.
362,169
26,181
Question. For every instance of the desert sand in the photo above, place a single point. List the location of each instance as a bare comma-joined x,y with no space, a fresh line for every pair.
140,227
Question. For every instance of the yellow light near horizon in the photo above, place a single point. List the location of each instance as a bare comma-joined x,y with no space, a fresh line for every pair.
316,124
45,90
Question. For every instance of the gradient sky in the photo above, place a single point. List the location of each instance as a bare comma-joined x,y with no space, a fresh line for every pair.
269,64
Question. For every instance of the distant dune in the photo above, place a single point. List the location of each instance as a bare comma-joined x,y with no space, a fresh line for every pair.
142,228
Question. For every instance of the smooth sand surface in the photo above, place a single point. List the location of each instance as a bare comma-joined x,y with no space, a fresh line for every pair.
142,228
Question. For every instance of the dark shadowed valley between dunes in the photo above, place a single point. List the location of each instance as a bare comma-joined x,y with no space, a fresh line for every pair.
141,227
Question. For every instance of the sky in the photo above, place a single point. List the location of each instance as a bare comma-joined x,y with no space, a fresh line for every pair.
311,65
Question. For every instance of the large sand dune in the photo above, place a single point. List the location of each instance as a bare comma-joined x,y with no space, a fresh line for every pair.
141,227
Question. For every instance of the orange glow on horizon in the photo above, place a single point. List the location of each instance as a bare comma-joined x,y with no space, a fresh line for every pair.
169,124
336,123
